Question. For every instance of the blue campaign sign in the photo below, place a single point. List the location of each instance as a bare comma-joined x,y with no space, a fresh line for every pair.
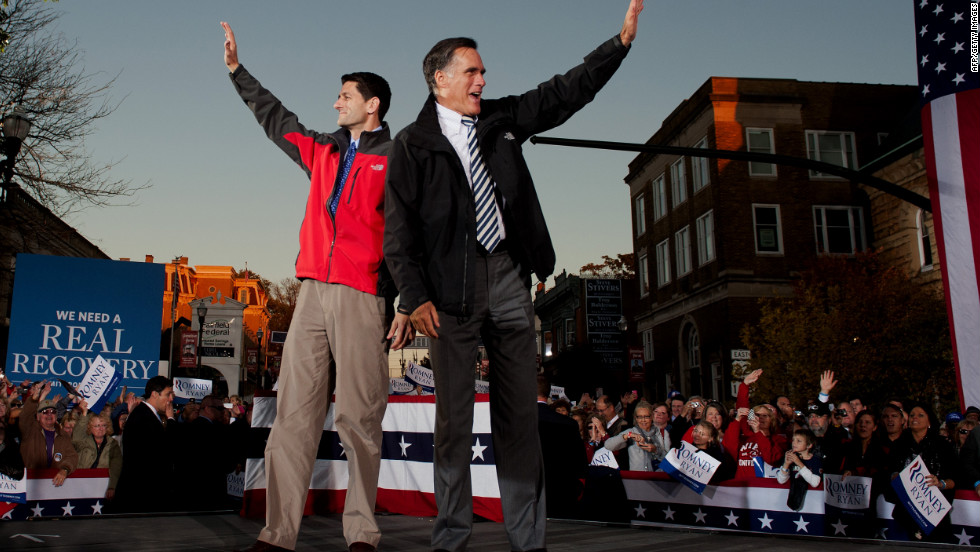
67,311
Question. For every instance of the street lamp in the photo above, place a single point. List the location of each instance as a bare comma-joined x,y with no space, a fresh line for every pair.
15,128
202,312
258,370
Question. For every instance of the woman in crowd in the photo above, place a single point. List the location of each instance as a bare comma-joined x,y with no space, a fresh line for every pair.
922,439
716,415
757,434
68,423
96,447
960,434
863,456
802,466
705,438
644,444
561,406
596,427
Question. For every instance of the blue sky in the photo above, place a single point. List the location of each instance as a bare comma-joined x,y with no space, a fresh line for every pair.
221,194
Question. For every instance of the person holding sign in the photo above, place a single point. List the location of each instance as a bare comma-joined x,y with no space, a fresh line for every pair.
802,466
706,438
922,439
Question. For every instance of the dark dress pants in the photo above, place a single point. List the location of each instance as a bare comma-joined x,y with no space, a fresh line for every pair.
504,316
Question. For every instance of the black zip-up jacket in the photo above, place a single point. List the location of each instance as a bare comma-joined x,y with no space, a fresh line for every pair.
430,222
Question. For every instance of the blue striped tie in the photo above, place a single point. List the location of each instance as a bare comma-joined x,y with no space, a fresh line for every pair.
345,170
487,232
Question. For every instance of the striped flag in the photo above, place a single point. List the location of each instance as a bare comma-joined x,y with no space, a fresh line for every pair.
405,484
946,44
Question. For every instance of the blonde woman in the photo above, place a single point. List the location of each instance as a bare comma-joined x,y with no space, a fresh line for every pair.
96,447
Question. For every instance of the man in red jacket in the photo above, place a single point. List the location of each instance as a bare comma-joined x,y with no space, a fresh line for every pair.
337,334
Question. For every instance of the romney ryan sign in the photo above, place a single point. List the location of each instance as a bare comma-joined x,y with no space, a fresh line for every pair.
68,311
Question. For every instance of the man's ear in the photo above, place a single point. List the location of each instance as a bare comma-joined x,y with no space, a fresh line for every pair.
372,105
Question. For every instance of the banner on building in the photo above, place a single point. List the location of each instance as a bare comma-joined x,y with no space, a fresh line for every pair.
690,466
188,349
925,504
67,311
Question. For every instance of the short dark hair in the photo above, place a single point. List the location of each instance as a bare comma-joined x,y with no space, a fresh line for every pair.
158,384
441,55
808,436
371,86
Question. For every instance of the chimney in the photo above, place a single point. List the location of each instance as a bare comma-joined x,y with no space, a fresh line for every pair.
149,258
124,259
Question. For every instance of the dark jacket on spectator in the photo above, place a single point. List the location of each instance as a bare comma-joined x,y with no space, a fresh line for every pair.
33,447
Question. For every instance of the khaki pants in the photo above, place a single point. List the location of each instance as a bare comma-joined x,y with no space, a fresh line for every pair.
332,324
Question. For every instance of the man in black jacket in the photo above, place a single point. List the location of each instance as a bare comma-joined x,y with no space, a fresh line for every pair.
146,483
463,233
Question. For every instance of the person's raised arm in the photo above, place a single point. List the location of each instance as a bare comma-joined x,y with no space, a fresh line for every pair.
629,24
827,383
231,47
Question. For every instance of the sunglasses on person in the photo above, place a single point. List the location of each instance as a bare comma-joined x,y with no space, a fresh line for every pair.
964,431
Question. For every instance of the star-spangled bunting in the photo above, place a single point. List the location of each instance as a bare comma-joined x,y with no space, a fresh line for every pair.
950,98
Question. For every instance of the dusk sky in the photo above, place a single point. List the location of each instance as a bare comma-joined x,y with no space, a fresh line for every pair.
220,193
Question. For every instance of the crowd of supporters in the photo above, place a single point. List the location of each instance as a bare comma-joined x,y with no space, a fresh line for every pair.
199,443
829,435
182,454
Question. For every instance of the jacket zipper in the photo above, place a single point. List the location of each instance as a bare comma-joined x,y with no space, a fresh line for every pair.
353,180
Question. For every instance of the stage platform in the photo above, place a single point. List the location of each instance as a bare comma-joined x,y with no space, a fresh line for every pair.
228,531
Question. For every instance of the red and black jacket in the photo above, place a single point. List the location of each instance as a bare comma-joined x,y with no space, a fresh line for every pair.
342,248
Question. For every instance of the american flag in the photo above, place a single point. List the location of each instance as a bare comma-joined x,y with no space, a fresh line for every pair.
405,483
946,45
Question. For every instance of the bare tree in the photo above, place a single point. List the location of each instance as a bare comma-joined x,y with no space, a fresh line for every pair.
41,71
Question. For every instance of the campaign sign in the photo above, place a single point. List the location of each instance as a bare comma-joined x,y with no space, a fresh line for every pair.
236,484
763,469
398,386
190,388
421,376
98,384
925,504
850,493
690,466
13,490
481,386
604,457
67,311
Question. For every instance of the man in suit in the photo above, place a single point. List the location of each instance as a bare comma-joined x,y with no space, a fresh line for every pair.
147,479
207,456
563,452
464,232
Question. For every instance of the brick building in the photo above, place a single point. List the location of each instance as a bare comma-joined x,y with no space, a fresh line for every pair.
713,236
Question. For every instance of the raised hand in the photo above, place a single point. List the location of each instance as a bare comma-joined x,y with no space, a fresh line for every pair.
629,24
827,381
231,48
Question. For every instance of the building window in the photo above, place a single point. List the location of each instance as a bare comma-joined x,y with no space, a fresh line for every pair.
768,233
682,248
659,198
639,215
836,148
716,381
548,344
760,140
570,331
663,263
699,168
678,184
706,238
243,296
644,269
922,237
839,230
647,345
